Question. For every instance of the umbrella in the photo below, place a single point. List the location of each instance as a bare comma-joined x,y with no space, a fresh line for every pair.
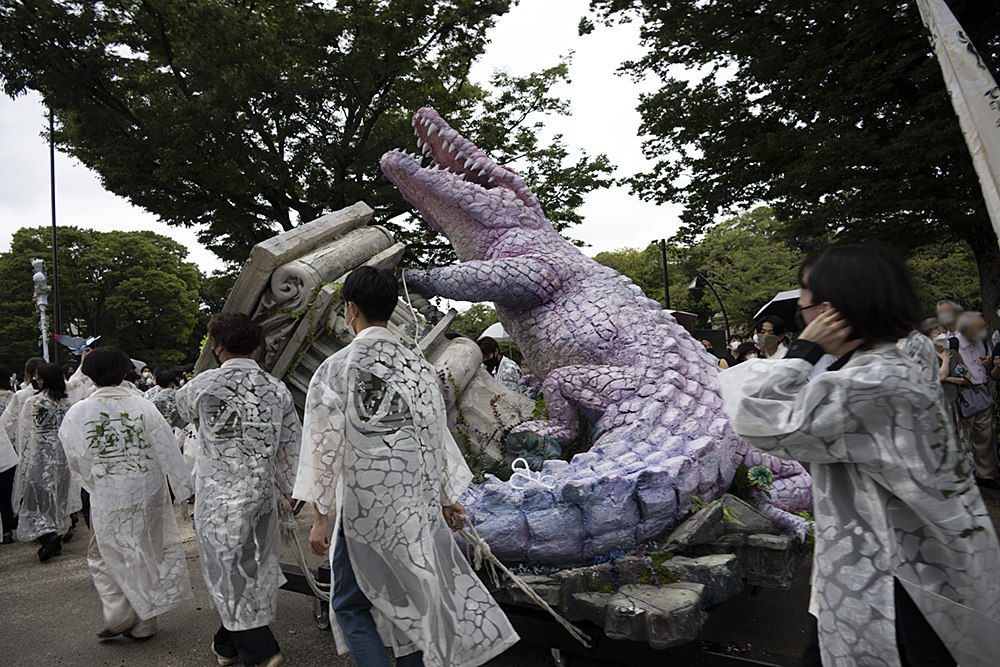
138,365
496,332
783,306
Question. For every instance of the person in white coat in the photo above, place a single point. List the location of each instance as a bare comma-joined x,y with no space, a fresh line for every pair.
377,455
123,452
247,452
44,492
8,462
906,568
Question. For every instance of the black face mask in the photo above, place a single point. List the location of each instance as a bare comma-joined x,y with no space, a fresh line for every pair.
215,355
492,364
800,321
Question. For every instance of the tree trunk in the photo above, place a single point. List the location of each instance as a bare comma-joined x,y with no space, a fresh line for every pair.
978,233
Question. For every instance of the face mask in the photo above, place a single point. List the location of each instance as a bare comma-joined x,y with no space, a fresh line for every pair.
492,364
710,350
734,346
946,319
766,341
941,340
215,355
349,323
752,355
147,375
981,336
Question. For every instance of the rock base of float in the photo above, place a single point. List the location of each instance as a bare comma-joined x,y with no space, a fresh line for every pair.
666,597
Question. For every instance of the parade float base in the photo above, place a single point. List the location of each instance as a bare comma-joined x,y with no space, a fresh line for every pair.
685,587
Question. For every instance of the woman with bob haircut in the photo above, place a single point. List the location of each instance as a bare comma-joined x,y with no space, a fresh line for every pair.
44,490
906,567
123,451
246,457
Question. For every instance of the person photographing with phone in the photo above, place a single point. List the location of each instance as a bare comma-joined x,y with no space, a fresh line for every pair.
906,566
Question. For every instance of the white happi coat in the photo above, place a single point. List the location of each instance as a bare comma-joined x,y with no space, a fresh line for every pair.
892,500
43,486
378,455
8,455
247,452
123,451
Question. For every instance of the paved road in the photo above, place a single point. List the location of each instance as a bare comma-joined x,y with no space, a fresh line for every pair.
50,614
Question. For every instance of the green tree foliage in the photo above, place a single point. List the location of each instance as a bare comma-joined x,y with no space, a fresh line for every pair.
947,271
749,261
746,258
246,118
834,112
643,267
474,321
134,289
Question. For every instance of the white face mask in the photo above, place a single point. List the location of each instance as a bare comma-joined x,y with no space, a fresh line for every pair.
941,340
752,355
946,319
350,322
735,345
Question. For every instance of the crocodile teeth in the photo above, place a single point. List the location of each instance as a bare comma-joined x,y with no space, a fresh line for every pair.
468,162
433,129
420,142
445,146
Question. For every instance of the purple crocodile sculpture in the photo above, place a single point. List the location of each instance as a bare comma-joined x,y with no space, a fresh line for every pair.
606,351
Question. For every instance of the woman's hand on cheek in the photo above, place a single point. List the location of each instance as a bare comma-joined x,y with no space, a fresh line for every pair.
831,331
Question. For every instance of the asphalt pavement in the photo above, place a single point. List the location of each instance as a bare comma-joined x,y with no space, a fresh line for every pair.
50,616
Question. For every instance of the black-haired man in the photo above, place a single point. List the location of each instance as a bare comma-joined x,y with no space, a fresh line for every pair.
377,454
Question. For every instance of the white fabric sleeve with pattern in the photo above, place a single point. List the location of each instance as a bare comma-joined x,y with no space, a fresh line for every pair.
164,443
455,473
324,433
775,407
290,444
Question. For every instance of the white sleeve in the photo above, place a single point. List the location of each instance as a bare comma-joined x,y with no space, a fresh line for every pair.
324,442
164,443
773,406
455,473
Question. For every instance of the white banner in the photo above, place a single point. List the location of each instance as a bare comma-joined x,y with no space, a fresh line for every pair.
974,94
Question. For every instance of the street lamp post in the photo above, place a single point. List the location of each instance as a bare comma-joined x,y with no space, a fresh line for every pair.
42,300
666,276
56,324
700,282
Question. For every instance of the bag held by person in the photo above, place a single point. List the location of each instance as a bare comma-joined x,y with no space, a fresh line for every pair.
973,400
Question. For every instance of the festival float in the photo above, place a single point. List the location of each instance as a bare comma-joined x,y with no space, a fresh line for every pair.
622,499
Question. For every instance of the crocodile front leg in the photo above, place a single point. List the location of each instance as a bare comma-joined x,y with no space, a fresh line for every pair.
574,389
514,282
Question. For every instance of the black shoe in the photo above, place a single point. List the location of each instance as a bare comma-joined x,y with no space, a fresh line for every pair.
8,538
107,634
990,484
49,549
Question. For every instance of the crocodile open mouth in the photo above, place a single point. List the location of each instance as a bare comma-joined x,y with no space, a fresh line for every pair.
454,155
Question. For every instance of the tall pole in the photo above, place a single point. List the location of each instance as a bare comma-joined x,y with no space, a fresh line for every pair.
56,324
666,275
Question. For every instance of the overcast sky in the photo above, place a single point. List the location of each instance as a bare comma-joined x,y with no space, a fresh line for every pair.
532,36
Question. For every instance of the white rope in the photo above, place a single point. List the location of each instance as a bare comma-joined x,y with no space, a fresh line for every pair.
481,553
290,534
416,322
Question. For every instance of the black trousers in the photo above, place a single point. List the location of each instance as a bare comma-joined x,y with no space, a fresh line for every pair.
918,644
7,515
253,646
